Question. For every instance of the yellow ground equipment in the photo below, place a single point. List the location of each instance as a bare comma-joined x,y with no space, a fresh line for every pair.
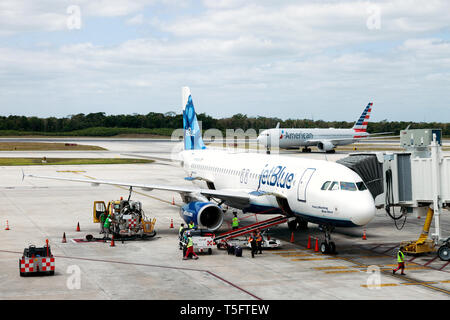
128,219
423,244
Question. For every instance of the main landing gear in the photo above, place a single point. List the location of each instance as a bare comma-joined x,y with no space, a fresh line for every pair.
297,224
327,246
306,149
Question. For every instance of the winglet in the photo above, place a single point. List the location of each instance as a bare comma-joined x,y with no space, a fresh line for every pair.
23,175
277,126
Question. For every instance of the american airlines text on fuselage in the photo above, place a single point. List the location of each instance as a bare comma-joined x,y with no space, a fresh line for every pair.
296,135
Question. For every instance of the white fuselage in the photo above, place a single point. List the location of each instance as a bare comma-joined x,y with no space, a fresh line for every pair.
299,181
304,137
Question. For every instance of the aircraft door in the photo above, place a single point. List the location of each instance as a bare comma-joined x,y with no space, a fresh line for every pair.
303,184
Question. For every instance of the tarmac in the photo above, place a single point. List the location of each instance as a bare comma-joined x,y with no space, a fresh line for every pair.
37,210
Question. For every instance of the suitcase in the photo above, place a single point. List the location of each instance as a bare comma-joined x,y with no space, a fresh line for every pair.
238,251
230,249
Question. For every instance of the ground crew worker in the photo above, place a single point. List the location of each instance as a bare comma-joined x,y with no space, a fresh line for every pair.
180,231
401,261
102,222
180,235
191,225
234,222
190,249
252,240
107,225
259,240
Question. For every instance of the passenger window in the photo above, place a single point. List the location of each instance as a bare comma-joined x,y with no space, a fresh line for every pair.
349,186
325,185
361,186
334,186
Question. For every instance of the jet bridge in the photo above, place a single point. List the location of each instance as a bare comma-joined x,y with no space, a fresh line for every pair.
413,181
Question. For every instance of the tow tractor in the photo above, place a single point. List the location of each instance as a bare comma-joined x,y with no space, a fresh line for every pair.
129,219
37,261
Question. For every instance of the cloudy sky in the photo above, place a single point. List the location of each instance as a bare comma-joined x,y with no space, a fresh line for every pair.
291,59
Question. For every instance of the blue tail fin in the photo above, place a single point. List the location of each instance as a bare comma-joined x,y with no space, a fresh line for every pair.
192,133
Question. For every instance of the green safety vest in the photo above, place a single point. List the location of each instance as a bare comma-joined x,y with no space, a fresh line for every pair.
235,222
400,257
102,218
190,242
107,222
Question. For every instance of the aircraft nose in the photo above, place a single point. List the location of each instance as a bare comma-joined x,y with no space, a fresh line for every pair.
363,211
261,139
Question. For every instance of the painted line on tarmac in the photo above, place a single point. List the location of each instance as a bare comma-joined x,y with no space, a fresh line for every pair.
387,272
151,265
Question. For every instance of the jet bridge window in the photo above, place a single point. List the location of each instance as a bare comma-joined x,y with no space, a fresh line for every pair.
349,186
334,186
325,185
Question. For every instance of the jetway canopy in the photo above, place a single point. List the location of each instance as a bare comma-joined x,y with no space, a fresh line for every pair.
369,169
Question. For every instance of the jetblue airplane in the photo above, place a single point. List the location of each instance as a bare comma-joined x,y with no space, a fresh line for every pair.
325,139
316,191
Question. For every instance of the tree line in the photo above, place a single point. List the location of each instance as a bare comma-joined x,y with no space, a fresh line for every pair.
171,120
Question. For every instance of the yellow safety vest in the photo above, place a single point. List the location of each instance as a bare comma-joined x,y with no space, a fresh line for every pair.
400,257
235,222
190,242
191,225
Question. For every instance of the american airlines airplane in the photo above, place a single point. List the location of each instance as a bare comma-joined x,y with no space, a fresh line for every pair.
325,139
316,191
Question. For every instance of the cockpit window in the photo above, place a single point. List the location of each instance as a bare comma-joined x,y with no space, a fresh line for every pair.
361,186
349,186
325,185
334,186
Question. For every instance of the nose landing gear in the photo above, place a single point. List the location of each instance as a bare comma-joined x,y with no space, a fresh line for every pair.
327,246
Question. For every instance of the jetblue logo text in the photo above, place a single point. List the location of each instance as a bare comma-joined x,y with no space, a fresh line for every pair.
277,176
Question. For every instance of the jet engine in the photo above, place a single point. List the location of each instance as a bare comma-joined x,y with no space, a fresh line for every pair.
326,146
204,214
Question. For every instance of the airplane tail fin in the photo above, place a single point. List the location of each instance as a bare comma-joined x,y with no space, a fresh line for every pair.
361,124
192,133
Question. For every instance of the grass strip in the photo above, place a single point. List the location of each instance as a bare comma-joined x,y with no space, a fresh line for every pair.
38,146
68,161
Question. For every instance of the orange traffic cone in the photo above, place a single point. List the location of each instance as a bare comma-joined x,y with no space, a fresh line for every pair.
112,241
364,235
64,238
78,227
309,243
173,201
316,249
171,223
7,225
292,237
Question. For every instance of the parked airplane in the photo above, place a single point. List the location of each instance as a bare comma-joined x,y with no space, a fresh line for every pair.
325,139
317,191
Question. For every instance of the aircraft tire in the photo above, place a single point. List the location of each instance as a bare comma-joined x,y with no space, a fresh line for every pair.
324,248
302,225
292,225
332,247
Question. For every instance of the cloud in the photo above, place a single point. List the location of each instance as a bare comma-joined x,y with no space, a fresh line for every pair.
257,57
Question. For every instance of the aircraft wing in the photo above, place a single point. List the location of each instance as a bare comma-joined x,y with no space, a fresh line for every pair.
238,199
